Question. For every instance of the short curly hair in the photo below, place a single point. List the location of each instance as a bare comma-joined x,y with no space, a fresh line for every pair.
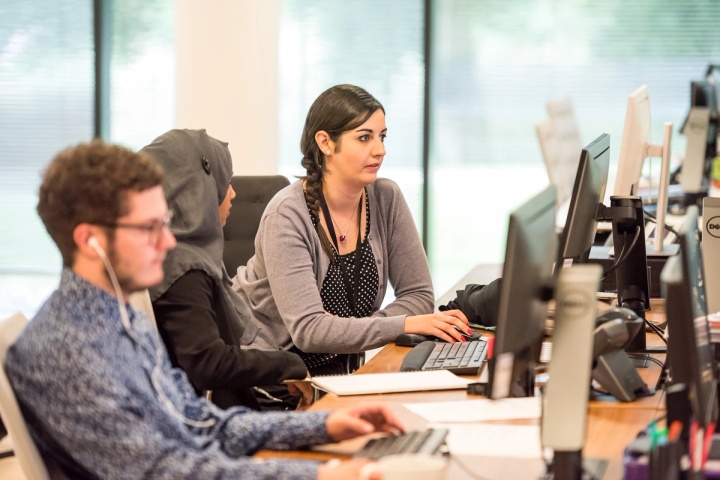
89,183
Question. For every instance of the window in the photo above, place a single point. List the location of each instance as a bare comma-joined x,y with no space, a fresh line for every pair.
47,90
376,45
495,63
142,71
46,93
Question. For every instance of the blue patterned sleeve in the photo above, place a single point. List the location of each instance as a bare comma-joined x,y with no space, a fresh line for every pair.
92,409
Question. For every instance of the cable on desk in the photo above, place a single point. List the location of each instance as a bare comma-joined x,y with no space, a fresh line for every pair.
659,331
646,356
652,218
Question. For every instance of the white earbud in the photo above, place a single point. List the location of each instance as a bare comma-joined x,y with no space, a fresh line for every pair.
95,245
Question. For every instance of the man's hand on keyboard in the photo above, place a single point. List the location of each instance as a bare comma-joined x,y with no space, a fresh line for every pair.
448,325
360,420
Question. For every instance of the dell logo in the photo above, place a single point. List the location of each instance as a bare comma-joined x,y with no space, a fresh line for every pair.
697,126
573,303
712,227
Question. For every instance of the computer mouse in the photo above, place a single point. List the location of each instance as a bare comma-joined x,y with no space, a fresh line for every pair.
474,336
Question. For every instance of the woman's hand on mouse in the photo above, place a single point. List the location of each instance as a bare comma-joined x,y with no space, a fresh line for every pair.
448,325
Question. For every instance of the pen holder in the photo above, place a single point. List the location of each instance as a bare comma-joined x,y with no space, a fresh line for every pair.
643,461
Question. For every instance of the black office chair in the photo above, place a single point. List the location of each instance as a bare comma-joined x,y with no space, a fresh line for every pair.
253,194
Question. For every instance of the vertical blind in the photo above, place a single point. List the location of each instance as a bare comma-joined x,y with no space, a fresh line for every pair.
495,64
47,81
375,44
46,104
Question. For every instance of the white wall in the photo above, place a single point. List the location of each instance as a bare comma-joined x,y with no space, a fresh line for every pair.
227,77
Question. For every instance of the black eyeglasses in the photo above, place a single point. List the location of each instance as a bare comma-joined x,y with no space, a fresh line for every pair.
155,229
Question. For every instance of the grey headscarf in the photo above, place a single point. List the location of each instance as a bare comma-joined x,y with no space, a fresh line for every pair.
198,169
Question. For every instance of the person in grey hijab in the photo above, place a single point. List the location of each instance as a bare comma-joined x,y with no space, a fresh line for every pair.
202,321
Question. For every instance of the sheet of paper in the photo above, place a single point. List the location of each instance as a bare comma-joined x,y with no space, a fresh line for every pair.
362,384
494,440
477,410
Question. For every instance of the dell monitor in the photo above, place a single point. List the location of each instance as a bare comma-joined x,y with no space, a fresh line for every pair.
689,350
634,149
700,128
587,196
527,287
690,353
559,139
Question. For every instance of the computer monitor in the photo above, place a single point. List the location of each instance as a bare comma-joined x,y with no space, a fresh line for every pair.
703,93
700,128
587,196
560,143
527,287
634,149
690,353
636,133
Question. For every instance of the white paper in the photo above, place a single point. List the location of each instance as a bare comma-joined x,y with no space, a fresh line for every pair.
477,410
363,384
494,440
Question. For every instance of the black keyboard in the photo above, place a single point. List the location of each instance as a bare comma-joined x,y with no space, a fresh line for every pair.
427,441
461,358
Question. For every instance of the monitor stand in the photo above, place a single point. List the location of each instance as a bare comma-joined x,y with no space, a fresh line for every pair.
573,466
631,274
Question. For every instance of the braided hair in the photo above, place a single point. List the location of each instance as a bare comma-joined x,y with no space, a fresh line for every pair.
337,110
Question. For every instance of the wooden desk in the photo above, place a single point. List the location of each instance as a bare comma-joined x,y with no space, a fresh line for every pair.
611,424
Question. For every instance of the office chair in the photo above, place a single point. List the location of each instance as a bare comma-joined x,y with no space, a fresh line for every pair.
27,453
253,194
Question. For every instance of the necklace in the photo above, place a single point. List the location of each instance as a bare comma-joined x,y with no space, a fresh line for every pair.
343,237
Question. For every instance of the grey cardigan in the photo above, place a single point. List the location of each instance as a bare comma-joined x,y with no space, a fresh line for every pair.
282,282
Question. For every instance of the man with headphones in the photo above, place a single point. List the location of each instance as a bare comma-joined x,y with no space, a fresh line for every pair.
92,377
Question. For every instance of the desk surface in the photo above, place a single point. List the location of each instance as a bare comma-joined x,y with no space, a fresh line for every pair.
611,424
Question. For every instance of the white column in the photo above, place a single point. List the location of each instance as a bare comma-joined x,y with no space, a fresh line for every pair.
227,77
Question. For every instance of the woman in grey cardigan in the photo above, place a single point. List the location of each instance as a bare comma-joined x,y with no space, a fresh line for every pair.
329,243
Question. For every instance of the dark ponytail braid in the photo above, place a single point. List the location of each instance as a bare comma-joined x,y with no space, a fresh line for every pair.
314,199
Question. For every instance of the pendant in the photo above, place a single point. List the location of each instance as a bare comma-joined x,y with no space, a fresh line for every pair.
342,239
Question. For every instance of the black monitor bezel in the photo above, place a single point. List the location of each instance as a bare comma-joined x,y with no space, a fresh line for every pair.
690,354
521,318
588,193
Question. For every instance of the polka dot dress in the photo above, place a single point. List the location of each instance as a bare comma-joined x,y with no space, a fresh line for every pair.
334,294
